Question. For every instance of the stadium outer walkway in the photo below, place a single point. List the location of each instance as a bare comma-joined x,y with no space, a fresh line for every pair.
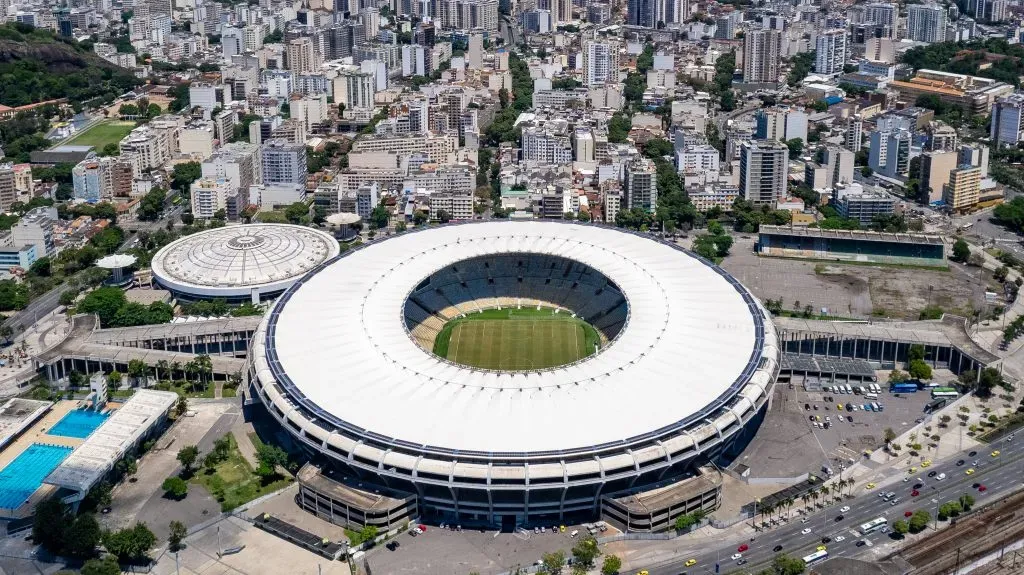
88,349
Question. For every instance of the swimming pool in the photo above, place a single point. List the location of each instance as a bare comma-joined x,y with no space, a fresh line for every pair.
79,423
20,479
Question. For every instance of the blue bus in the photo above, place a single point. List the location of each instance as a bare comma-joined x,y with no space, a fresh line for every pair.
903,388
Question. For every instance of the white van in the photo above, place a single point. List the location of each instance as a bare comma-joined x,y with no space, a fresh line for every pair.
849,389
875,389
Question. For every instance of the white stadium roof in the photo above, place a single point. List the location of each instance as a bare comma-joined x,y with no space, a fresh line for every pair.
338,344
234,260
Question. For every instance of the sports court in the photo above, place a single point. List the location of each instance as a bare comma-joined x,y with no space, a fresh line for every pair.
523,340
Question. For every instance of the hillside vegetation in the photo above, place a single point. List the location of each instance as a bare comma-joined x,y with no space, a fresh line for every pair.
36,65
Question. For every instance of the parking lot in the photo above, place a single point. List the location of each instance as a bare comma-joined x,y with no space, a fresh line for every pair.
789,444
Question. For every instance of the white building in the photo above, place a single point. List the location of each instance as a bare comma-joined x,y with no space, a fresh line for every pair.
831,52
210,195
600,63
764,167
926,23
1008,120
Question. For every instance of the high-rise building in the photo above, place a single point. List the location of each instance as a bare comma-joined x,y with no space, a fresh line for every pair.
301,56
975,155
87,179
853,133
764,166
238,162
641,13
881,13
963,190
561,12
8,189
941,137
641,185
600,63
864,206
354,88
761,56
210,195
284,163
414,60
35,228
890,152
935,169
1008,120
340,39
546,146
987,10
475,52
926,22
831,53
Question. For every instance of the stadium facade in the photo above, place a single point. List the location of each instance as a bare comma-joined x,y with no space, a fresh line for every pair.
858,246
685,373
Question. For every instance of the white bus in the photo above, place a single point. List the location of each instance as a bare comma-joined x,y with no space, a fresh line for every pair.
873,525
871,396
816,557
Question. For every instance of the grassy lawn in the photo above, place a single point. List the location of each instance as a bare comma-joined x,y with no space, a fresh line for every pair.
233,482
516,339
103,133
229,392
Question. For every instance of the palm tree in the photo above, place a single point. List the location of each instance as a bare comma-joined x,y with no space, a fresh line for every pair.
163,366
815,494
175,368
824,494
805,498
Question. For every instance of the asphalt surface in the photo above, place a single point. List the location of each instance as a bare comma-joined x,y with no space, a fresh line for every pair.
1000,475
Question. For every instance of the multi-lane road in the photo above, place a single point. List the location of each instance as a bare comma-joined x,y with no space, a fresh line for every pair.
1000,475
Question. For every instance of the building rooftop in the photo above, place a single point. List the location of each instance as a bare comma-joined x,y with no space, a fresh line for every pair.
906,238
16,415
111,440
253,255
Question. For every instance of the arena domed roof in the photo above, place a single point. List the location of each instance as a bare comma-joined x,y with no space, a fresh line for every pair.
232,261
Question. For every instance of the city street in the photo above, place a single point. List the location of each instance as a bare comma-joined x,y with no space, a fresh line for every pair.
1000,476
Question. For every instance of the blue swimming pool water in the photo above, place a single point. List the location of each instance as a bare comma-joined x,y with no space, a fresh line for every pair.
20,479
78,423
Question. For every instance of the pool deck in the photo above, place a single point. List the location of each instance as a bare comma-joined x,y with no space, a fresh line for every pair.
38,434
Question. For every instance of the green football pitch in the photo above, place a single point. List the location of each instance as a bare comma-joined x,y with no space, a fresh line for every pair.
516,339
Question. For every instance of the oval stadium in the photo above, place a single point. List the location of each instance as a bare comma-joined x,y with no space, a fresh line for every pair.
515,373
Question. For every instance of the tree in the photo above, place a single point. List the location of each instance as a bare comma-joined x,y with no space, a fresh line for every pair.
443,216
783,564
130,544
49,525
966,502
297,213
585,553
152,205
866,171
82,536
796,147
915,352
175,487
187,456
960,251
919,369
176,534
901,528
184,174
104,302
106,566
269,457
611,565
919,521
889,435
379,217
553,562
181,408
897,376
